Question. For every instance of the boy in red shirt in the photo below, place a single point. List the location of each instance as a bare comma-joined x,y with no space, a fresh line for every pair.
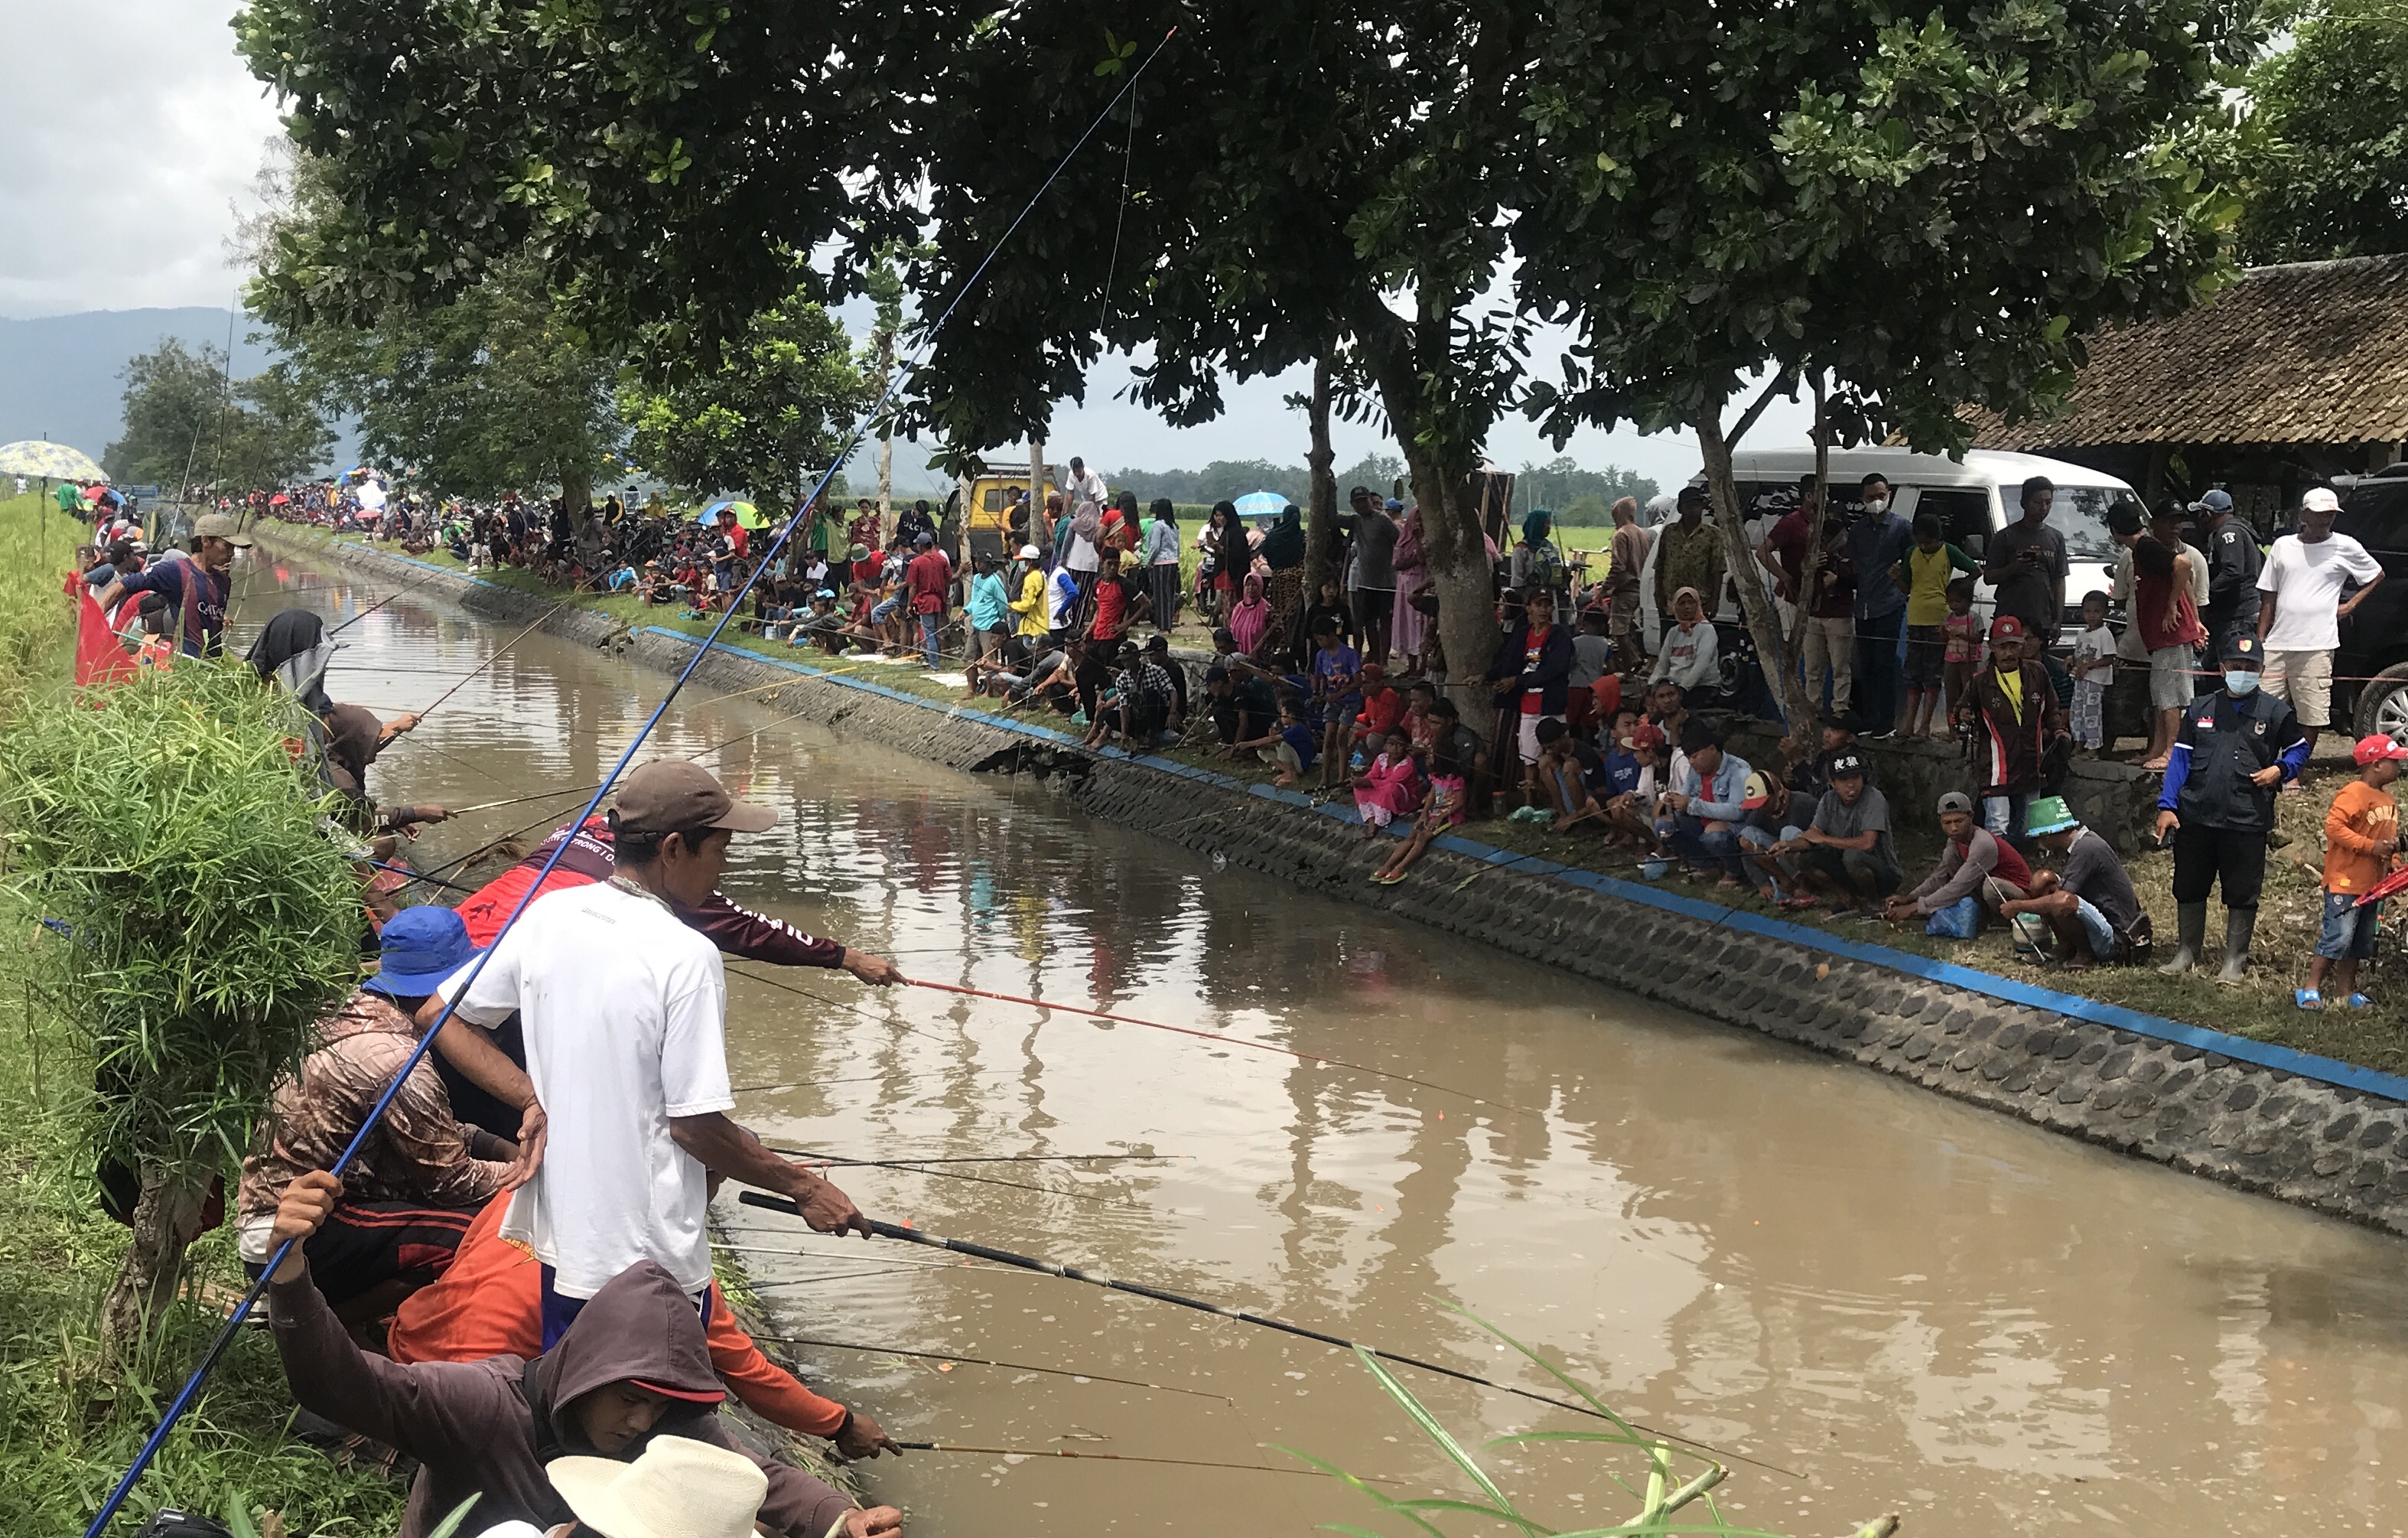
2361,841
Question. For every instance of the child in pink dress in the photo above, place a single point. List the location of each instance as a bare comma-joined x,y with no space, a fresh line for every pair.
1390,787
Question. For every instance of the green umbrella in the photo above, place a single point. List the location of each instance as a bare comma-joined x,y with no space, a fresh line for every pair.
38,456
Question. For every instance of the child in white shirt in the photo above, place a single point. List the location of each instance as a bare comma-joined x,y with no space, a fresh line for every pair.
2093,667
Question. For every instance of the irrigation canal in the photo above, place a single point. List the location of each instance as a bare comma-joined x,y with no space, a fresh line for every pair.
1921,1306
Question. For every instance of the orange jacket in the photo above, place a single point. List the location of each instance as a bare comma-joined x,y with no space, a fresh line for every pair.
489,1303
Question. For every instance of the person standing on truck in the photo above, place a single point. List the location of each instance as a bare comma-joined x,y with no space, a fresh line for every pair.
2300,609
2026,564
2233,562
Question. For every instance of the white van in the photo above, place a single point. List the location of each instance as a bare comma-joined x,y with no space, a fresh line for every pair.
1973,498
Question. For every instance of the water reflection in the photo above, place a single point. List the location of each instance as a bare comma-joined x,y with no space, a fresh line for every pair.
1921,1306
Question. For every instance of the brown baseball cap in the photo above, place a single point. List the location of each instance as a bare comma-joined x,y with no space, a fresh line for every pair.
676,795
217,525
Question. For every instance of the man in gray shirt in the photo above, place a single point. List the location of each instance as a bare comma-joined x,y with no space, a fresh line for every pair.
1374,581
2027,563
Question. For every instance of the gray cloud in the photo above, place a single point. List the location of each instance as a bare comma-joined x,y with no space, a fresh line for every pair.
133,125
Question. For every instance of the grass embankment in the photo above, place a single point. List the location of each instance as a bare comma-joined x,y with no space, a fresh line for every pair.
69,1426
2261,1008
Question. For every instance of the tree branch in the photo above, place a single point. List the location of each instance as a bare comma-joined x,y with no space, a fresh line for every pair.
1747,418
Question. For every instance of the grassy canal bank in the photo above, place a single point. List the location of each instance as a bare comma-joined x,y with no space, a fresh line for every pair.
2261,1008
70,1423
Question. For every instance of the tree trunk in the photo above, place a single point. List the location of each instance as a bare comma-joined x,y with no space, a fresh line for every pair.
166,1219
1755,600
1040,527
1452,550
577,495
1321,504
886,438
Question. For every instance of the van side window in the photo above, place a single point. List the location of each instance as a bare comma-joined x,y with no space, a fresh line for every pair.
1964,515
2375,515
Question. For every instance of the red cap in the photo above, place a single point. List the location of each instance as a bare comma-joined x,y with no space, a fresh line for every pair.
2006,628
2376,748
1646,735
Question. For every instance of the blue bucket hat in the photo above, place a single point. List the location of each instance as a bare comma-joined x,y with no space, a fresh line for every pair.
422,947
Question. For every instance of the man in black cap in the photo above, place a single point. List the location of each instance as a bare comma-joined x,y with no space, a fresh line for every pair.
622,1010
2233,561
2233,751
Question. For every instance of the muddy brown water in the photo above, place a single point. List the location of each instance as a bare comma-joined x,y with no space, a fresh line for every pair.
1918,1306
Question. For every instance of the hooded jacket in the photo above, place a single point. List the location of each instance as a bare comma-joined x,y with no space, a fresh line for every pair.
492,1426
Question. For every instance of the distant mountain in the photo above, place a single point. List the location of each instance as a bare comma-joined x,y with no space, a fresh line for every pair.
59,374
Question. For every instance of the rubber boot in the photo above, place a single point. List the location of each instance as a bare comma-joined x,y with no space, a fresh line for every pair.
2237,924
2190,926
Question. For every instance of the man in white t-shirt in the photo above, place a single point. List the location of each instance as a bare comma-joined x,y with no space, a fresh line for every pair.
2300,609
624,1009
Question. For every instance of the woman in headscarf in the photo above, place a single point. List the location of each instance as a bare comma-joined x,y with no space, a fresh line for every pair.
1283,554
291,649
1536,563
1250,617
1406,621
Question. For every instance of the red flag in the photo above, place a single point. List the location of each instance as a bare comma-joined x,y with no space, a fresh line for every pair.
99,658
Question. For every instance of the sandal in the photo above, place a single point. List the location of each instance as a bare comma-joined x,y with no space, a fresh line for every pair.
2359,1002
2307,998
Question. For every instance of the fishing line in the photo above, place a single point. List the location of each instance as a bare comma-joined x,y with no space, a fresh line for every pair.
991,1158
413,875
1215,1036
1125,1457
1051,1268
498,653
371,608
234,1324
955,1174
988,1361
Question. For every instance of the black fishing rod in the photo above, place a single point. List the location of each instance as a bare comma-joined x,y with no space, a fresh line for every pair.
413,875
498,653
396,592
989,1361
1051,1268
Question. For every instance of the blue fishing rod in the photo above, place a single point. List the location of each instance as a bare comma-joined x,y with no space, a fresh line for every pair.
182,1402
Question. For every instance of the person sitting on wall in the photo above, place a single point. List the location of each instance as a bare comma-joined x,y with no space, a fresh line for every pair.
1846,851
2089,905
1974,863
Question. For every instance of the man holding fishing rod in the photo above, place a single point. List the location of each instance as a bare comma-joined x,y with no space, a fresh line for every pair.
622,1008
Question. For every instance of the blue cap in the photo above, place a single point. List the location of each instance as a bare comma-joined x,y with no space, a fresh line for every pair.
1394,506
422,947
825,593
2215,501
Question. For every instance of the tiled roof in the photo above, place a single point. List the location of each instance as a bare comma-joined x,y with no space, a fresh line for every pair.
2309,352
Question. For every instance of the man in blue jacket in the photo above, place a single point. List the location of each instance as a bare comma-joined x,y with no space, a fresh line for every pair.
2230,756
1699,816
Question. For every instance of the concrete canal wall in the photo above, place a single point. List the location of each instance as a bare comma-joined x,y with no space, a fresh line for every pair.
2310,1130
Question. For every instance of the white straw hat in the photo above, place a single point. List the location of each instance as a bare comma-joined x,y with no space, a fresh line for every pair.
677,1488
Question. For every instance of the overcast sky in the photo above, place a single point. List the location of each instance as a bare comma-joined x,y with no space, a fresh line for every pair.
136,129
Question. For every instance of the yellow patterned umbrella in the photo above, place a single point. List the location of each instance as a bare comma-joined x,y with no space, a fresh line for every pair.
38,456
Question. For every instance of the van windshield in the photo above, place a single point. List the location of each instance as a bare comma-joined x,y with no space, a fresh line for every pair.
2080,514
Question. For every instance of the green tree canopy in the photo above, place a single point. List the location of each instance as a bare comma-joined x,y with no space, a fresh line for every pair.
767,418
184,418
498,390
1925,211
2321,157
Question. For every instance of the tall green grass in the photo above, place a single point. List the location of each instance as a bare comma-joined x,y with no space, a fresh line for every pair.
68,1428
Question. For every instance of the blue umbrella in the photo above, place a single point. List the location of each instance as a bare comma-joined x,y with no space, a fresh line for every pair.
1261,504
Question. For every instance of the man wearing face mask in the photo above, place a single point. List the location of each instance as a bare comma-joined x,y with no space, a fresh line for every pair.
2232,754
1877,543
